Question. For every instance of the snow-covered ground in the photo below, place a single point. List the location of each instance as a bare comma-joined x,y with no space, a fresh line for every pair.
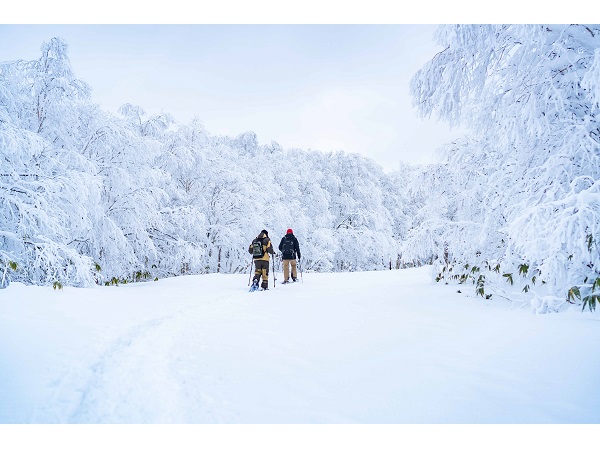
388,347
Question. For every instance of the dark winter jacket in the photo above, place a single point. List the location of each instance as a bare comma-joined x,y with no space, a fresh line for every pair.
293,243
267,247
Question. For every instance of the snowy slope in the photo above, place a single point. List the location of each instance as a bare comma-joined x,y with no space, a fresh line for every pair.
371,347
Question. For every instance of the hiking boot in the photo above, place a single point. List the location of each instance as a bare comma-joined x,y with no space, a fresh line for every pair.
285,282
294,279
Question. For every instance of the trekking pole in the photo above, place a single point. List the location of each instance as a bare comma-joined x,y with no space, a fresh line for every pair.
274,274
250,276
300,266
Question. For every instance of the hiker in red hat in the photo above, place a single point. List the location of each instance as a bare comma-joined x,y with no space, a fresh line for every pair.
289,248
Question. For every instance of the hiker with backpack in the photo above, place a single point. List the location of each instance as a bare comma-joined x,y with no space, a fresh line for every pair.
260,249
289,248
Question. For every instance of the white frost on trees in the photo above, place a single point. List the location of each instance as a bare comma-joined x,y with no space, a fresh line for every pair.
529,94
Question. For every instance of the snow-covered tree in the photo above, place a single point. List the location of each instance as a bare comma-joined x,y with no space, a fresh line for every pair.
528,94
46,188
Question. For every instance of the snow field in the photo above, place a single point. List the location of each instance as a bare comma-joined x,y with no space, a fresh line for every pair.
347,348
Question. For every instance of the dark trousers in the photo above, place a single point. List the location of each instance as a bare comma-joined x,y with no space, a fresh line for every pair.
262,270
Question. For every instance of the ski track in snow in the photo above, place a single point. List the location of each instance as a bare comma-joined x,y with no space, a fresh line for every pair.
142,377
115,391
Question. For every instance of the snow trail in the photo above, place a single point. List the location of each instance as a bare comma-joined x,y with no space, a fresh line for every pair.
371,347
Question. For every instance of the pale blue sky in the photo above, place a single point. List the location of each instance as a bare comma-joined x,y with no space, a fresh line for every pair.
325,87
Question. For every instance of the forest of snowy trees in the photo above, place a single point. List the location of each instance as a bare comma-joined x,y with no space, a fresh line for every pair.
88,197
92,197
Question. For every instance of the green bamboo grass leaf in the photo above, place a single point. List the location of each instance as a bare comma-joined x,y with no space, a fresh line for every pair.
591,301
523,268
572,294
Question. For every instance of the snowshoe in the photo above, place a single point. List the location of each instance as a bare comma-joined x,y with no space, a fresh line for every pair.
254,286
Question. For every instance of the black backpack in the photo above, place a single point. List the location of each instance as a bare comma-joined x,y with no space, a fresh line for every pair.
287,249
257,248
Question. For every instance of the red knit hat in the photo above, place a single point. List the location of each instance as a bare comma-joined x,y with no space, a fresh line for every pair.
289,231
